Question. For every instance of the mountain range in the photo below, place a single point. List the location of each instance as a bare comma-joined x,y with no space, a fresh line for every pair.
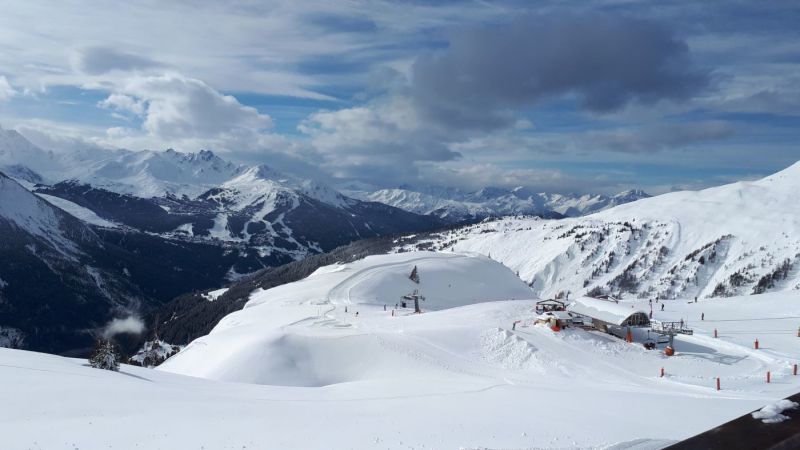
732,240
126,232
455,206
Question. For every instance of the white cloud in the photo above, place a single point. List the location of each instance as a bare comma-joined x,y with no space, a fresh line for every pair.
174,107
130,325
123,103
380,141
6,90
236,45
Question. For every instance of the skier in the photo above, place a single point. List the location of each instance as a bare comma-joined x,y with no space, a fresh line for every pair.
662,306
702,316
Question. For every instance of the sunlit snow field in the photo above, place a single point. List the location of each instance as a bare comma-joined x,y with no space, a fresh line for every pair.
294,370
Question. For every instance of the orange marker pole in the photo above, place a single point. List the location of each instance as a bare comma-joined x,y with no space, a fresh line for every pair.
717,383
756,344
768,377
662,371
715,332
794,371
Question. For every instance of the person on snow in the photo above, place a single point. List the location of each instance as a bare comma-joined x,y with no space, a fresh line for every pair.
662,306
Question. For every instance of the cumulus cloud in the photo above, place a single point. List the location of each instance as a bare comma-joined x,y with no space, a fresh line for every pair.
123,102
128,325
173,106
380,139
6,90
101,60
487,75
604,61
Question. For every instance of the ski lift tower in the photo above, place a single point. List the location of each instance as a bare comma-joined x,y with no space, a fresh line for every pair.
670,329
416,298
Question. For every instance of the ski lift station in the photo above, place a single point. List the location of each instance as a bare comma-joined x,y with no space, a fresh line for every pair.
543,306
611,317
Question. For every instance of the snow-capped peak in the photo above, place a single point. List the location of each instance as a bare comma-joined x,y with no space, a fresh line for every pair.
258,182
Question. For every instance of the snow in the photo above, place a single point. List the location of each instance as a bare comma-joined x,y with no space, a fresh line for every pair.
454,378
363,287
772,413
736,239
154,352
32,214
456,205
151,173
213,295
605,310
294,370
78,211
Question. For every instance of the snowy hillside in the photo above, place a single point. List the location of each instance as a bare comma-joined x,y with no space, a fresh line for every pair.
57,278
336,297
22,210
738,239
456,206
452,377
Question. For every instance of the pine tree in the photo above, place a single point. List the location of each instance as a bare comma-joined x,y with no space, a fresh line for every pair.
414,275
104,356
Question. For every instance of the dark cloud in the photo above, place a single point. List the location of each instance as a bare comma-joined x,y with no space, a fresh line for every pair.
100,60
607,62
658,137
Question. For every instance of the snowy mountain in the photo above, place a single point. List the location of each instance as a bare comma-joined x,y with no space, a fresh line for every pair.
456,206
142,174
154,174
738,239
265,217
62,279
57,274
731,240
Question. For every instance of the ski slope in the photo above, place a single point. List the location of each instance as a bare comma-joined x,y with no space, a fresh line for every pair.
294,370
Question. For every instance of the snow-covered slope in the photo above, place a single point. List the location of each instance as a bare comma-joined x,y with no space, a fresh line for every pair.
78,211
456,206
58,277
334,297
737,239
21,159
22,210
452,377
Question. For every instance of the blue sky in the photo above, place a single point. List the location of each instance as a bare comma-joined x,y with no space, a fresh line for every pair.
595,96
